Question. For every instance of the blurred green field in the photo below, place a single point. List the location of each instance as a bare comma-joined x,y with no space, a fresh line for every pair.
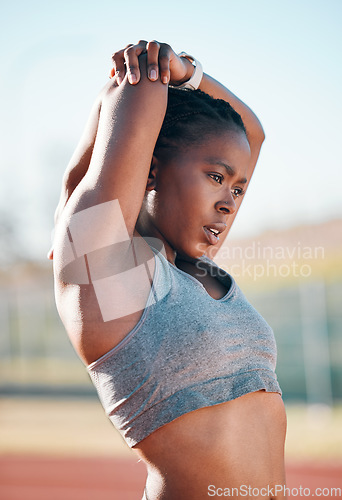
79,427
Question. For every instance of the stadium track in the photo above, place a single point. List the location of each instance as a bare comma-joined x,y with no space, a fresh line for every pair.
41,478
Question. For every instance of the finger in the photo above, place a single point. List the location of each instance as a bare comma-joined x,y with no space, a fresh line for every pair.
131,55
132,65
164,62
119,69
152,59
143,44
114,80
125,61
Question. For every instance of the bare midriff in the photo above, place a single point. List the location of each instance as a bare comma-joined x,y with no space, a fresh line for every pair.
208,452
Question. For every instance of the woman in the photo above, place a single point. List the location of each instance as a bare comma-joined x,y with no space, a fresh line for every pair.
183,364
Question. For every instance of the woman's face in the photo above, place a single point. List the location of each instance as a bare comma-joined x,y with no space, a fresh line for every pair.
195,193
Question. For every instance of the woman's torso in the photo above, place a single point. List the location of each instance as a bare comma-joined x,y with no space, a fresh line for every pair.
239,443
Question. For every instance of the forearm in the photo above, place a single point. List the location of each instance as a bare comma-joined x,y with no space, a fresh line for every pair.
214,88
253,126
130,120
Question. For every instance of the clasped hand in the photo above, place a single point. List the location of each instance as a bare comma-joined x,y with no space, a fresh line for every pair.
162,62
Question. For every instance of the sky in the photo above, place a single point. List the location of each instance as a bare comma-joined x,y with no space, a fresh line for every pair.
283,59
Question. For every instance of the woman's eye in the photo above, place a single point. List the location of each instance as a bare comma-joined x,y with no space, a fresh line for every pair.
217,178
237,192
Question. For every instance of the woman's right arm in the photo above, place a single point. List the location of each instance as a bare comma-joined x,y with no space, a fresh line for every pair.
79,162
129,123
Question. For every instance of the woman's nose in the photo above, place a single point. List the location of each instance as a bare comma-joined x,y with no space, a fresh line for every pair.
226,206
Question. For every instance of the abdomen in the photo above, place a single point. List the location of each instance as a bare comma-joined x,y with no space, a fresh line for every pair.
238,444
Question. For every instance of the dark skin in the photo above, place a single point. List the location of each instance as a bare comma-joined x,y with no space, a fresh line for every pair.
175,199
169,68
192,190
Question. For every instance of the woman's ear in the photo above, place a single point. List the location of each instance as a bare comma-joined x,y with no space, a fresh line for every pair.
152,176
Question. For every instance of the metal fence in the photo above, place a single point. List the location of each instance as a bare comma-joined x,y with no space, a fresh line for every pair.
307,322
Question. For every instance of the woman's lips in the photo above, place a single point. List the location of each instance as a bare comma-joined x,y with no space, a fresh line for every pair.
213,240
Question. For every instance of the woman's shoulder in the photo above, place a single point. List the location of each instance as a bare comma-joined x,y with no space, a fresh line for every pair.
99,314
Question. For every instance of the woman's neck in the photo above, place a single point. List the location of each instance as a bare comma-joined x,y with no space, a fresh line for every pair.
146,229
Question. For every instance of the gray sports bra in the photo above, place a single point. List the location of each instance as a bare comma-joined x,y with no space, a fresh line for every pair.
188,351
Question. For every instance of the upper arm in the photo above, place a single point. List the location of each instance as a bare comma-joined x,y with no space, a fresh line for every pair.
94,230
129,123
105,205
130,120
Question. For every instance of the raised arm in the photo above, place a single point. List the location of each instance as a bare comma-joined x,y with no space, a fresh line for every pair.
80,161
128,126
98,216
255,133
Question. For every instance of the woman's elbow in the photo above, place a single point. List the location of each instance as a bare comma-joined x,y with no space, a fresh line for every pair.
259,133
256,139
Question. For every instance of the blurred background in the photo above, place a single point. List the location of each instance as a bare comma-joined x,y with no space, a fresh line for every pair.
285,248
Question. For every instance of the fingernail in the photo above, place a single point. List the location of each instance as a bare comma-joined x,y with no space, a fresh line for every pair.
119,80
165,79
153,74
133,78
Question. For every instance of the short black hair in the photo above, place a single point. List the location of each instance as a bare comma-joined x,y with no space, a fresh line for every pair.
192,115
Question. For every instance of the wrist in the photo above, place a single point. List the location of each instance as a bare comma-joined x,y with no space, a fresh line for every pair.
189,70
196,75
